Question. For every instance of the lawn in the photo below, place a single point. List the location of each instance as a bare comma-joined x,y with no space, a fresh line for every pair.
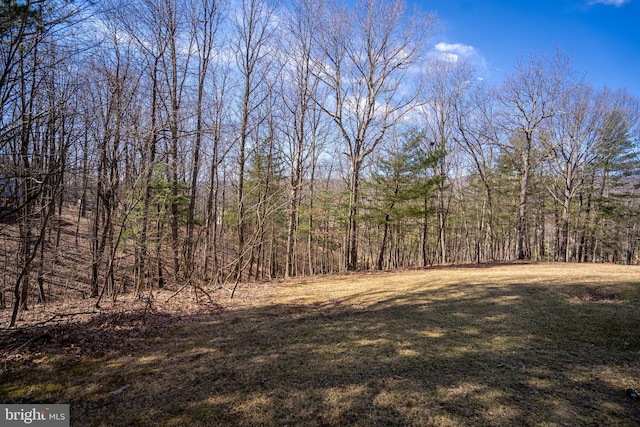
505,345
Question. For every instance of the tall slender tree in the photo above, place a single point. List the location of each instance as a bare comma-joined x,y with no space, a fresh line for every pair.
571,146
33,103
367,57
447,82
528,97
300,120
254,32
478,137
205,20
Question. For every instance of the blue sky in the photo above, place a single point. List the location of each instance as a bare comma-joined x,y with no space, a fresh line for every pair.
601,36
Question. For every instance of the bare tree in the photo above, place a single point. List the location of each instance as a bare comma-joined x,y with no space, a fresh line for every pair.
173,19
527,98
571,144
446,83
110,96
33,112
206,17
478,137
301,118
219,120
367,58
253,33
142,23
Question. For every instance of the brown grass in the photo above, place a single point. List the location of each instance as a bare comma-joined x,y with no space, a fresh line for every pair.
527,345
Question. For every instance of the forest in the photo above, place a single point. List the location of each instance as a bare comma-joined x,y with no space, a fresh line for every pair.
205,143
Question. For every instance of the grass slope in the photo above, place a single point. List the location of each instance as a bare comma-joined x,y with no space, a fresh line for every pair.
527,345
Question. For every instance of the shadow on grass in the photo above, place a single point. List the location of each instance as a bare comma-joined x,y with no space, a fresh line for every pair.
459,355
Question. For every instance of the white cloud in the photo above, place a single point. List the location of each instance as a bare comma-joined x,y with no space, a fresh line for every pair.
453,52
616,3
455,48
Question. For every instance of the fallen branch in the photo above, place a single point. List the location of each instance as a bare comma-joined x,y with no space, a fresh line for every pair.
44,322
80,313
177,292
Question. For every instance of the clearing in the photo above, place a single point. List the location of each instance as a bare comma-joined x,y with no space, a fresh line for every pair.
498,345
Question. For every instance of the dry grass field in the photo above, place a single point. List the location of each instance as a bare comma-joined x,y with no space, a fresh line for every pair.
504,345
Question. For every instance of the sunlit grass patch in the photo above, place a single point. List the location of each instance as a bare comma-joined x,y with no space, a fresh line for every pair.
43,391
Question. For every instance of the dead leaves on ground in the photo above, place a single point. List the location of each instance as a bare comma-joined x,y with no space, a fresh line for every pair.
120,329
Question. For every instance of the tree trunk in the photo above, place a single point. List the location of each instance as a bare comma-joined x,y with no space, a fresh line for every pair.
521,230
173,156
148,166
290,269
351,254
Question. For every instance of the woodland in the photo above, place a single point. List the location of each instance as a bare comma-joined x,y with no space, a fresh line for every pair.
205,144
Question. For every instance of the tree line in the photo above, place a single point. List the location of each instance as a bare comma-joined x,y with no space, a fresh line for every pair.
211,142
